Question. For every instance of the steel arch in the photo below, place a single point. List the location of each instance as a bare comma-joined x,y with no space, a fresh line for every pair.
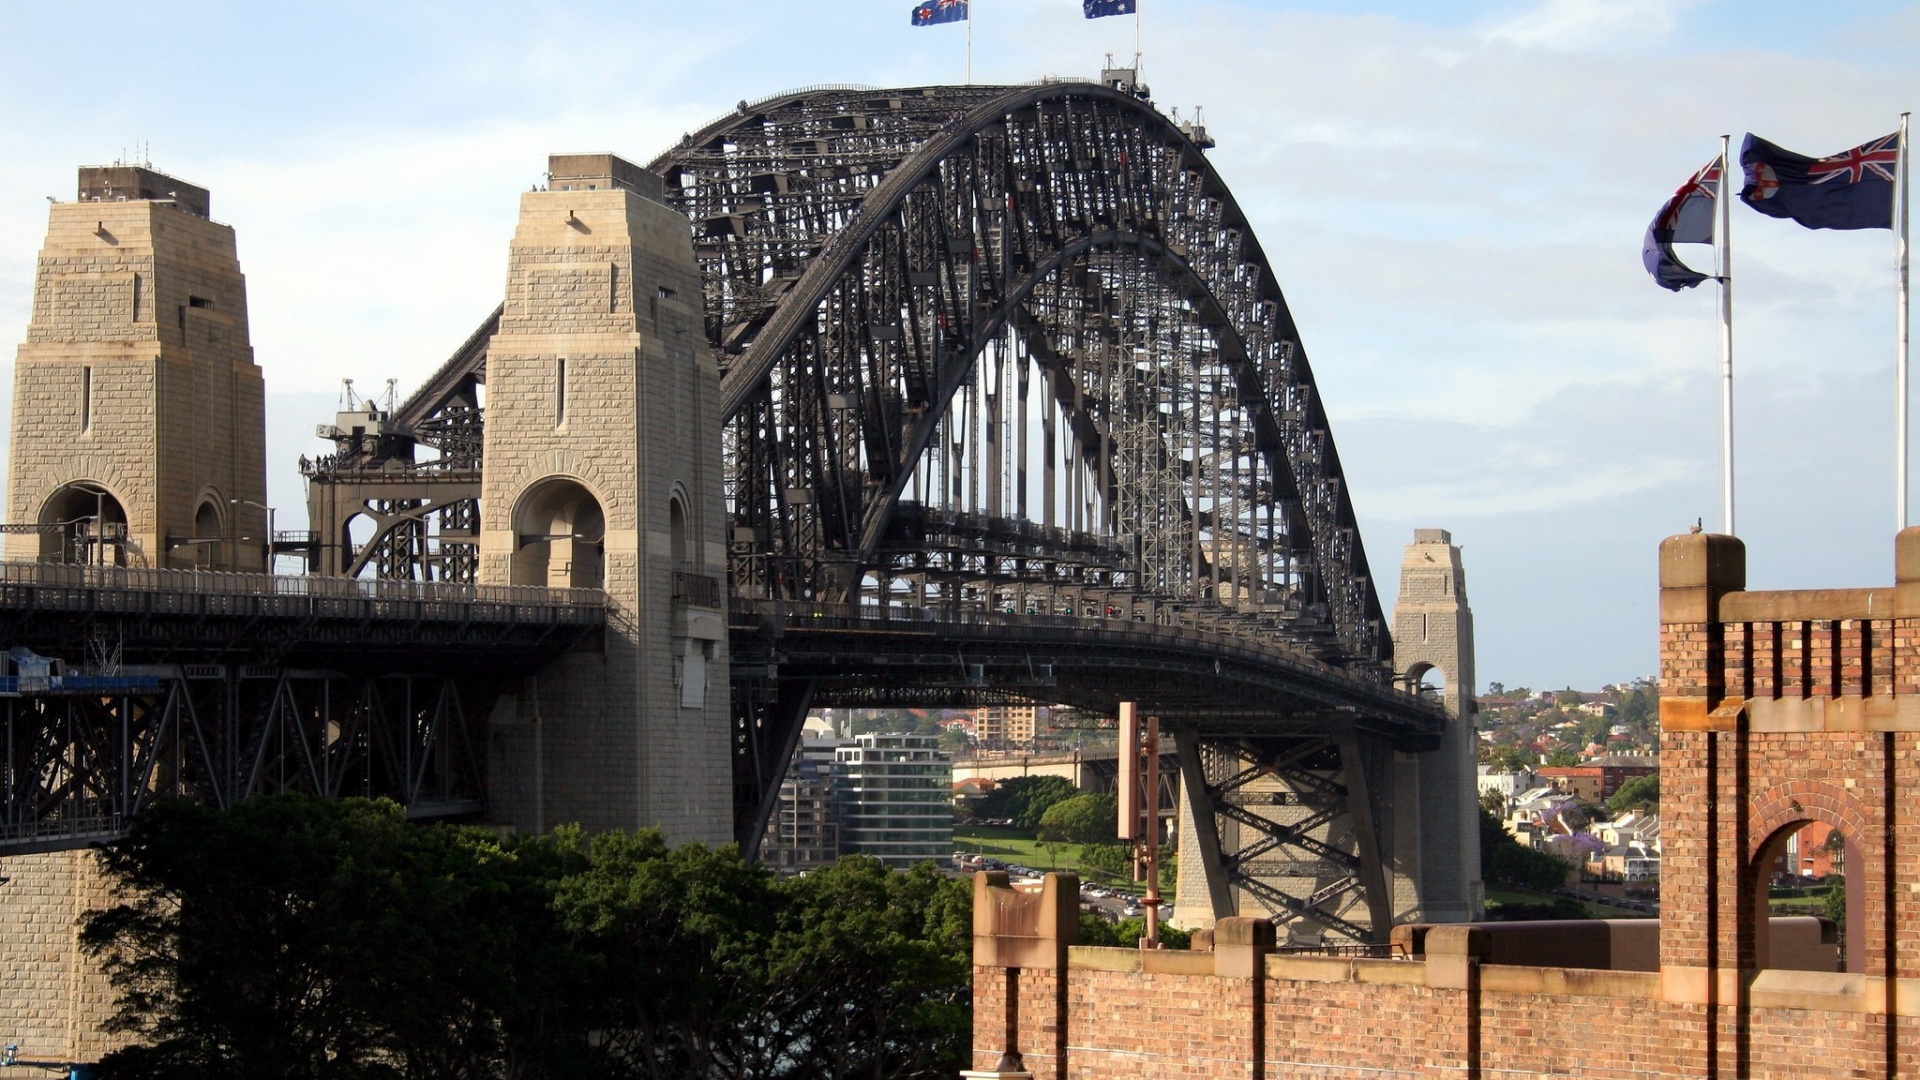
864,249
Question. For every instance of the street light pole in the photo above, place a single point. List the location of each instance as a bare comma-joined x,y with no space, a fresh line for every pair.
271,512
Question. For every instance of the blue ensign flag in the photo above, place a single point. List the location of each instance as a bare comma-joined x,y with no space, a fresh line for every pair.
1687,218
1100,9
935,12
1850,190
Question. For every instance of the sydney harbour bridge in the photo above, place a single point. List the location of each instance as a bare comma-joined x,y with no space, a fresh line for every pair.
1012,409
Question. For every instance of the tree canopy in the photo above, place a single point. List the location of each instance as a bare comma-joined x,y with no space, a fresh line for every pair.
1503,861
1086,818
303,938
1024,799
1639,793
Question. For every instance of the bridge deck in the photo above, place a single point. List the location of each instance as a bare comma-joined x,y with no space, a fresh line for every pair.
189,616
1217,682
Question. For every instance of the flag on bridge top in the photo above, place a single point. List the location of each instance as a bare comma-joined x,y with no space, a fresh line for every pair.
1850,190
935,12
1687,218
1100,9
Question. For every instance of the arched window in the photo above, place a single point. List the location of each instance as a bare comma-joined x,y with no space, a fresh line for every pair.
677,531
207,549
560,536
1807,913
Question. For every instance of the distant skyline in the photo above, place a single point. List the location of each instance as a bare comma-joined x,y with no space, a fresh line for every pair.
1452,196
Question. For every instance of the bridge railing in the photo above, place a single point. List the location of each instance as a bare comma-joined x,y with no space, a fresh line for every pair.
1092,626
220,592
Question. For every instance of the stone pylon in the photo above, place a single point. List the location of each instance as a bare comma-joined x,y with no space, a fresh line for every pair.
1436,849
139,430
602,470
138,439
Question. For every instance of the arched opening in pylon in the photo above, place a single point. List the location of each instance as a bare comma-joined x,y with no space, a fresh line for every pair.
559,536
92,526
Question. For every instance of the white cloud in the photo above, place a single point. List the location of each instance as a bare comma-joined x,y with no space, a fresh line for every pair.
1586,24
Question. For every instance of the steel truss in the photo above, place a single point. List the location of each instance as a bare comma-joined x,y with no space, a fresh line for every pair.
1309,824
79,767
1008,350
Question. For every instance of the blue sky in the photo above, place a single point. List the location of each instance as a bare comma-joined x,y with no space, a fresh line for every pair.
1453,196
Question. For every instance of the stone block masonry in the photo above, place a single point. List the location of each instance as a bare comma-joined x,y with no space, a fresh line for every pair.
136,400
1778,709
53,998
135,392
601,471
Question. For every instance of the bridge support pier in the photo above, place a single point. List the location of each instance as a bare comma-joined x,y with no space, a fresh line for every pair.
601,471
1433,634
1293,828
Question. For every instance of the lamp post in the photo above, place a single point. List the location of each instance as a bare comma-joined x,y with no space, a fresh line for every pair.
98,556
270,517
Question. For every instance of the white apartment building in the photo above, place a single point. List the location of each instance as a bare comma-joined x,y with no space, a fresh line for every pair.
895,796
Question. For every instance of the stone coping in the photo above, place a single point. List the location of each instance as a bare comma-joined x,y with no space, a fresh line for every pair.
1816,991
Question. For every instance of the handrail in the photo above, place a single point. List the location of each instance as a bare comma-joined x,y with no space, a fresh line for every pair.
826,616
226,583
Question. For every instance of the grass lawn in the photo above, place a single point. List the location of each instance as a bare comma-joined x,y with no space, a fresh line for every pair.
1012,845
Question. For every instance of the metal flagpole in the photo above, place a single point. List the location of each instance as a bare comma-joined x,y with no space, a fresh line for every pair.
969,42
1136,43
1726,338
1900,331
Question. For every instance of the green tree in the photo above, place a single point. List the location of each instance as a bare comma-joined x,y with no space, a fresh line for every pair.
1562,758
1086,818
1639,793
1110,862
1593,729
1493,802
1126,933
302,938
1503,861
1834,905
1025,799
299,937
1508,759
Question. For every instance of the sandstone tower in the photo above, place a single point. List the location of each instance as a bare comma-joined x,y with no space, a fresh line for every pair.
138,412
138,440
1438,849
603,470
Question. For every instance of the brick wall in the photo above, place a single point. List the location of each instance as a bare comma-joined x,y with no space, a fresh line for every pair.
1777,709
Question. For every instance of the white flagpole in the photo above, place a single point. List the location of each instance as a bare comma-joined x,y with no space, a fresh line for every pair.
1900,330
969,42
1726,337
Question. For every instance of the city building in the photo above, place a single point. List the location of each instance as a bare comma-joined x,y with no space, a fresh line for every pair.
804,831
1595,780
1005,727
895,798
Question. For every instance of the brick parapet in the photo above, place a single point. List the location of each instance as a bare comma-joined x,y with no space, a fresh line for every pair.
1777,709
1127,1013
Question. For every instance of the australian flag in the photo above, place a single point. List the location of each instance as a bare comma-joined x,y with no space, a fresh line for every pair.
935,12
1687,218
1100,9
1850,190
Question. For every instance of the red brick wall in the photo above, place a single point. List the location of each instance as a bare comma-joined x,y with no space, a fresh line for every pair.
1776,709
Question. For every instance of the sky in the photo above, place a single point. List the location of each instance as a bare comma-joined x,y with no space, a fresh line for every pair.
1452,194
